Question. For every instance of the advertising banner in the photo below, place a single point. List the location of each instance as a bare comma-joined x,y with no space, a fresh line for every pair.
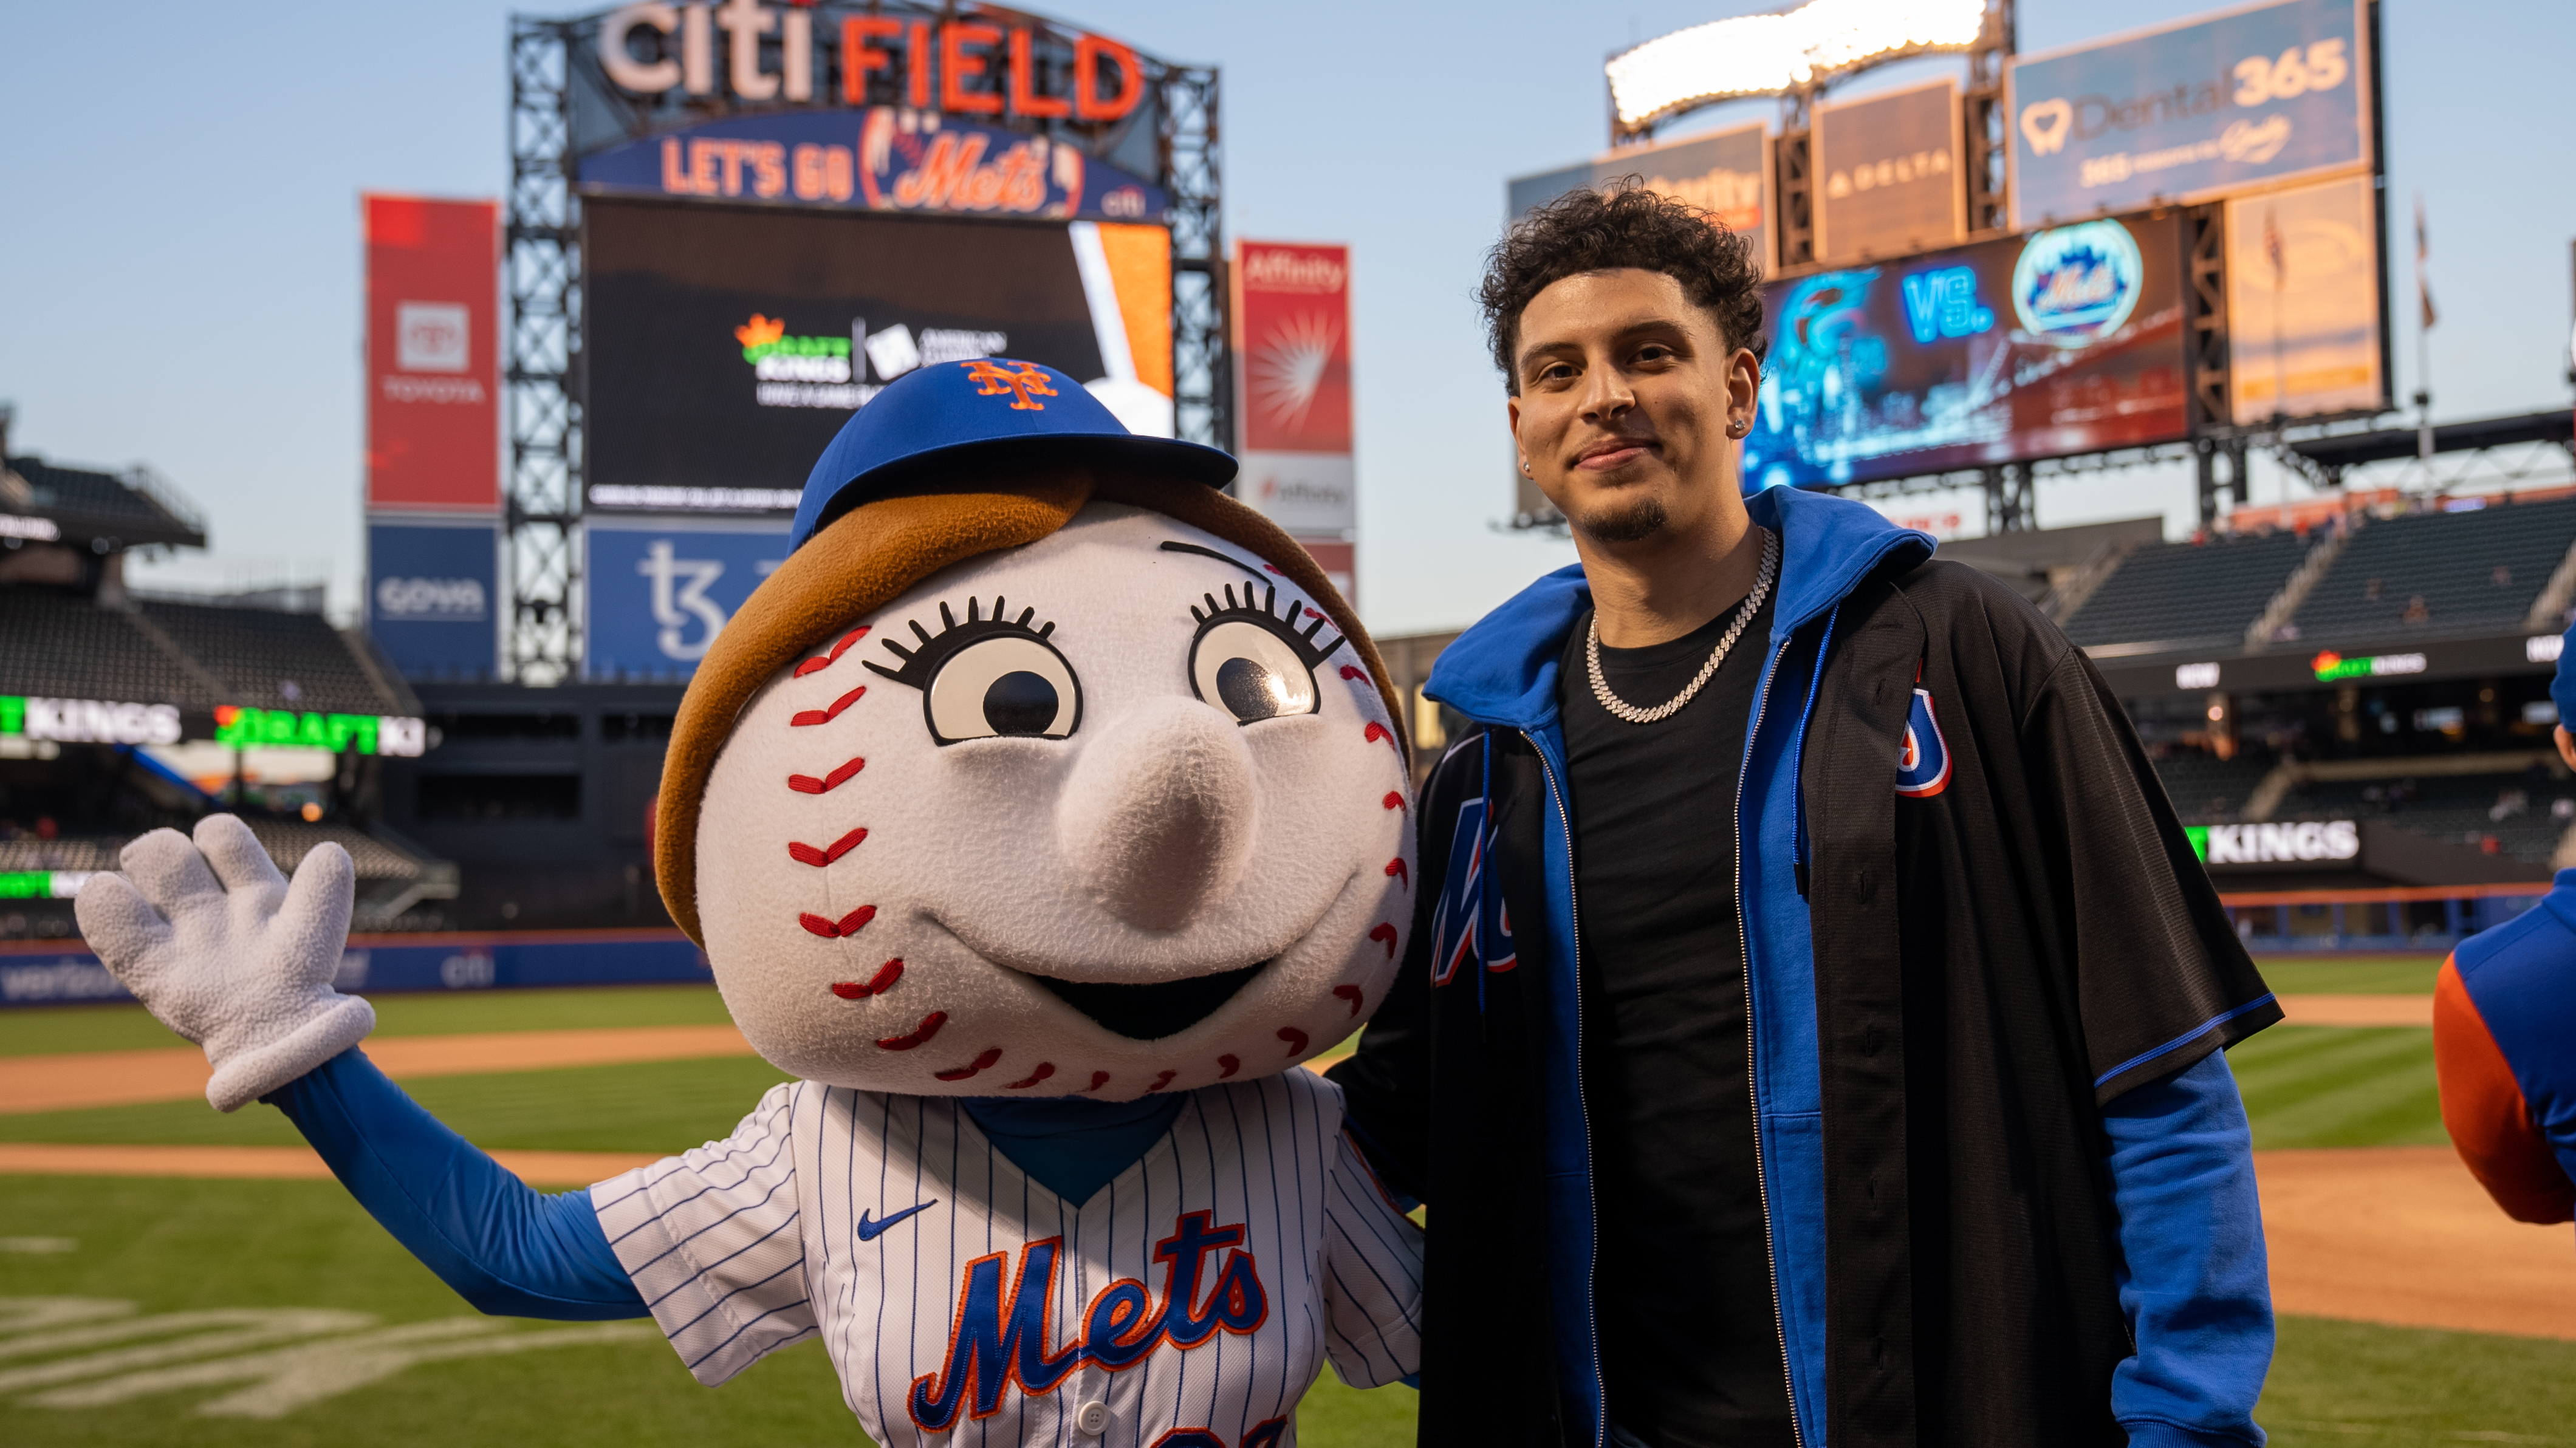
657,591
1721,173
2238,100
1888,174
2303,283
878,159
2063,341
726,345
433,594
1292,320
433,340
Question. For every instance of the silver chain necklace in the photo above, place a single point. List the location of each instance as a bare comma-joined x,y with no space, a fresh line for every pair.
1744,612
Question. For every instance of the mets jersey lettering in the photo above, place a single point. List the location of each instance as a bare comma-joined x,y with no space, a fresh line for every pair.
1191,1300
1472,921
997,1338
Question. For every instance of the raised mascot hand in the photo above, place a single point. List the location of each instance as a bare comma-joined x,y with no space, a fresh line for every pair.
218,946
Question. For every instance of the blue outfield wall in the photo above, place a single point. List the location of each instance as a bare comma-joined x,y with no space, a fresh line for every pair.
35,976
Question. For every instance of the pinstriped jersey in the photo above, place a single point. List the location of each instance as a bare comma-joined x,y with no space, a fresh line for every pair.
963,1302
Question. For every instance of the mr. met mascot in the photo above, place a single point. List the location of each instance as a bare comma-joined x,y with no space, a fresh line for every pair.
1039,815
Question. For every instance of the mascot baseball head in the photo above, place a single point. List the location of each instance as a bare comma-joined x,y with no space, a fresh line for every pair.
1040,767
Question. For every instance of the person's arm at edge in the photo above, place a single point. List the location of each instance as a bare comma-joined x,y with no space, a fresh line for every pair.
2483,1108
507,1249
1386,1082
2197,1290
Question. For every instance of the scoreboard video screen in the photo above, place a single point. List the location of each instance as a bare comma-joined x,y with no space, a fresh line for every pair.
724,346
2061,341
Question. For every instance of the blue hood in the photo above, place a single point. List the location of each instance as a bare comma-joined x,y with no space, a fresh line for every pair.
1503,670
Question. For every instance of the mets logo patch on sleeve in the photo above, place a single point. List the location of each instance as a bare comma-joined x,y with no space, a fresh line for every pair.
1923,766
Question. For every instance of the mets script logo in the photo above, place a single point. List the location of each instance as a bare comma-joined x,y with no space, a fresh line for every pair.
1470,914
1923,765
1022,380
999,1337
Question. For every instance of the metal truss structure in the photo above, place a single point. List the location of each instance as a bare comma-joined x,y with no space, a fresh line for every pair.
541,277
542,371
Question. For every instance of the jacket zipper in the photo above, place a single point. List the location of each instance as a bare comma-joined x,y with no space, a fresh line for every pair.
1752,1056
1592,1248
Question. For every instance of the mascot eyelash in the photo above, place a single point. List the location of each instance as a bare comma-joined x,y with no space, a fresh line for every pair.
920,664
1309,649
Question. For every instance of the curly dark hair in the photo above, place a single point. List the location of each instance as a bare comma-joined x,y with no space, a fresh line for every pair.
1620,225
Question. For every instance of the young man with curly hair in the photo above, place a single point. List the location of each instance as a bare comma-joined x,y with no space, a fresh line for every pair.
1811,1033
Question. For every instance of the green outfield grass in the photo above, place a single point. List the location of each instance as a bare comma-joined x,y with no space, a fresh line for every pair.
665,1106
187,1246
2351,975
2331,1086
39,1030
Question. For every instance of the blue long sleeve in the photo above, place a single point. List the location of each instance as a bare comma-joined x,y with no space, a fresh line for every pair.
2196,1290
506,1248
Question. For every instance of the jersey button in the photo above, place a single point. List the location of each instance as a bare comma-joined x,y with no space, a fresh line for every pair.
1092,1418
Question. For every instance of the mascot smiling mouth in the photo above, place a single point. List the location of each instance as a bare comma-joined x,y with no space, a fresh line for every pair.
1151,1012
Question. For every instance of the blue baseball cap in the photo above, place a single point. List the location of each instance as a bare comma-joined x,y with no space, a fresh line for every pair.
2562,685
990,411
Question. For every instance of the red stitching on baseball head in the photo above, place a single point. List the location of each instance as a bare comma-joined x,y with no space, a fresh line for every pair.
1396,870
825,661
1044,1070
1295,1038
1098,1080
1394,800
883,981
804,854
919,1035
847,925
985,1059
808,784
1385,932
808,717
1349,993
1161,1081
1231,1065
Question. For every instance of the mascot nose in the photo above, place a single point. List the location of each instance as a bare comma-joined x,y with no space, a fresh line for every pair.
1158,819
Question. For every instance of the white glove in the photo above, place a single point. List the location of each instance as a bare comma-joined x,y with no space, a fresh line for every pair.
221,949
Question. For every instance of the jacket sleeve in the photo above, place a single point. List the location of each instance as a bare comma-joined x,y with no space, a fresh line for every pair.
509,1250
2484,1110
1386,1083
2195,1287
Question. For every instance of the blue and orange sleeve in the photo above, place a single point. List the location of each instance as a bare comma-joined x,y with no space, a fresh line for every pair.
2483,1107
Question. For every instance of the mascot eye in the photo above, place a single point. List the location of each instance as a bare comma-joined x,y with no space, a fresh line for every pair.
1250,673
989,677
1252,663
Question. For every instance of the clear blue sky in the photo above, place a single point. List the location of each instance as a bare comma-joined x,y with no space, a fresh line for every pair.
179,265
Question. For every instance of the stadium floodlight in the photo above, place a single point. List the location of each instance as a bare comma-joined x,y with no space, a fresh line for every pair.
1760,55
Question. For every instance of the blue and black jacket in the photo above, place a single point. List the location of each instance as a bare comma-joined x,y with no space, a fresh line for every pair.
2006,1177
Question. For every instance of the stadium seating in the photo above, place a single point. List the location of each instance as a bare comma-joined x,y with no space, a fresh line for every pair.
2205,790
2183,593
2456,809
2475,571
287,843
58,645
257,654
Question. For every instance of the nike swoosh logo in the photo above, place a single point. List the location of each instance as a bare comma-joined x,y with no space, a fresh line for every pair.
870,1231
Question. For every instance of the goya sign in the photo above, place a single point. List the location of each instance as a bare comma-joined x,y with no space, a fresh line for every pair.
2247,98
287,729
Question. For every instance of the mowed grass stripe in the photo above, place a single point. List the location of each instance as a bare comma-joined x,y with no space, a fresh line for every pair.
666,1106
2331,1086
44,1030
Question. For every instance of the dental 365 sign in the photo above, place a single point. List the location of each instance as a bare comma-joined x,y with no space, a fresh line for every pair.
2228,102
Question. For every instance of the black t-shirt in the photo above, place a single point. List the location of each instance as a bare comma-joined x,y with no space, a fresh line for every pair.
1690,1340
